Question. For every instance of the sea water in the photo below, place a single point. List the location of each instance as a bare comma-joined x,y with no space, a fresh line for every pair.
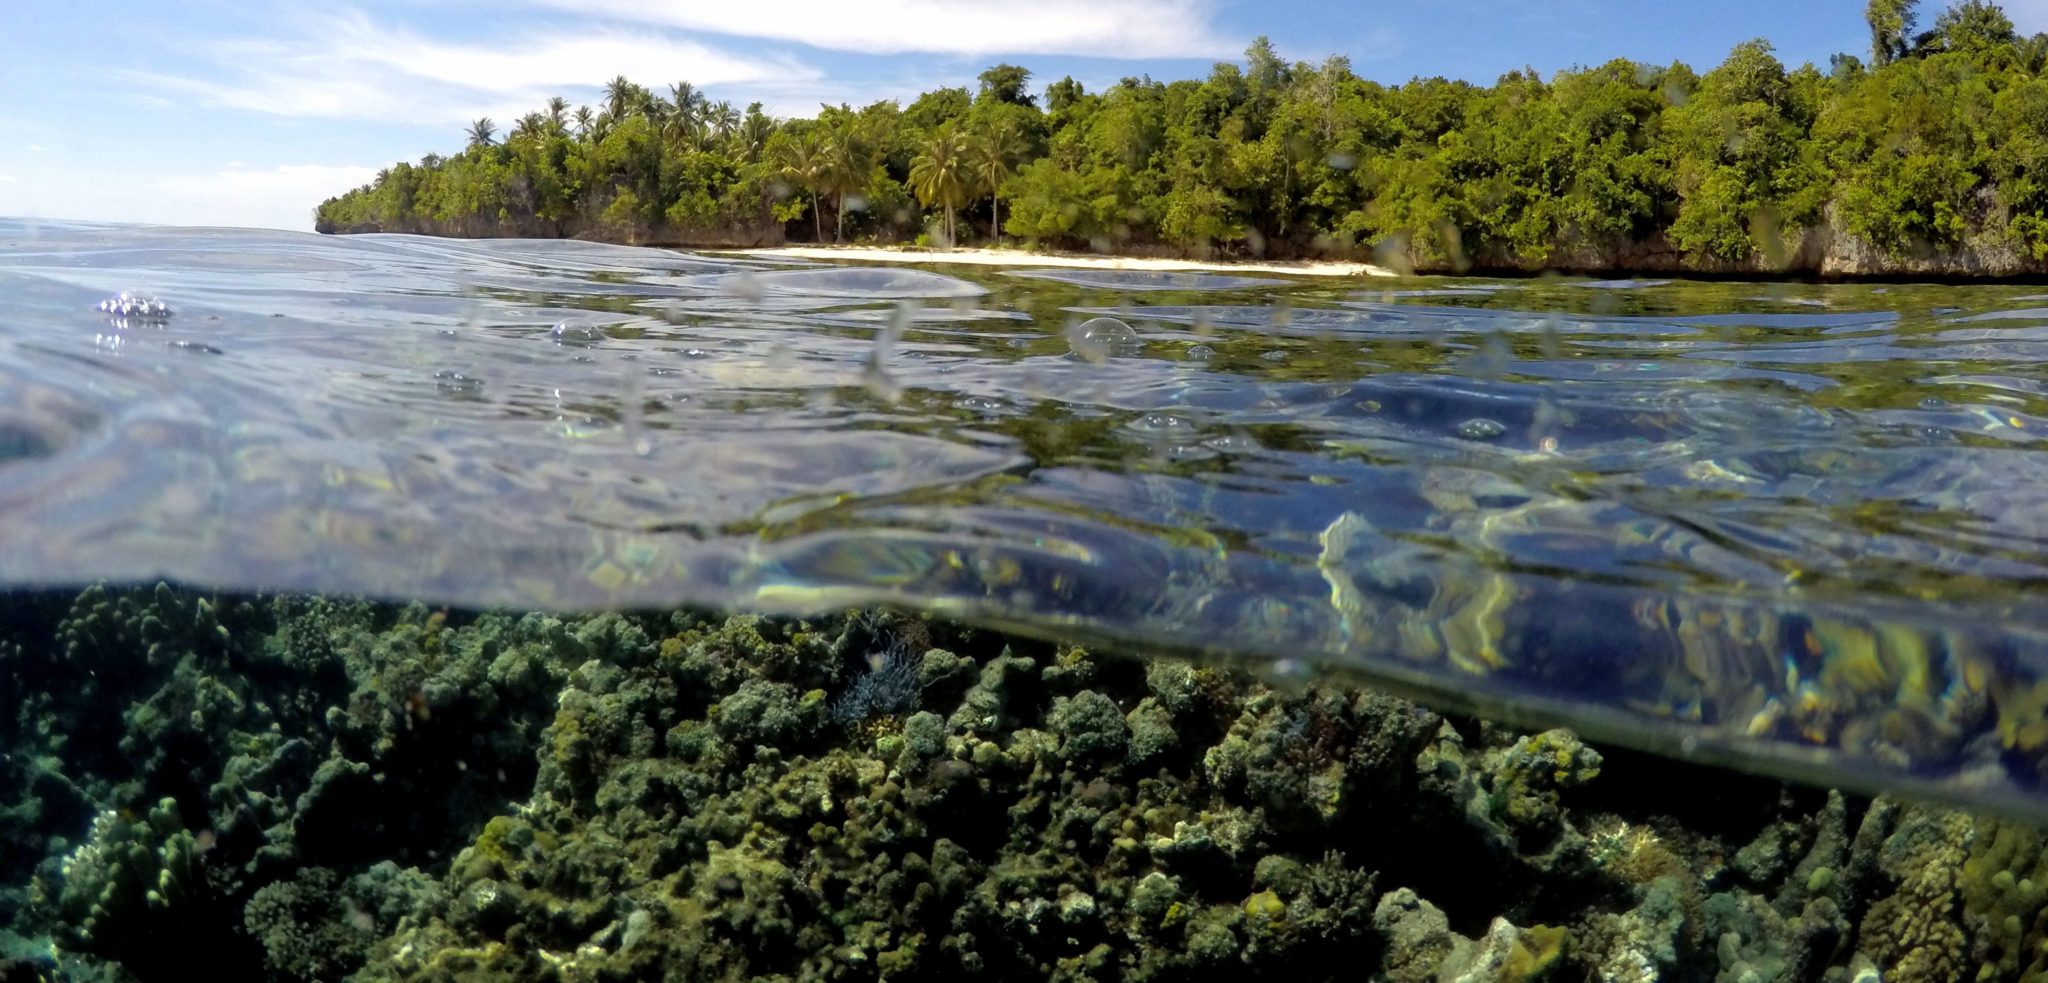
1799,529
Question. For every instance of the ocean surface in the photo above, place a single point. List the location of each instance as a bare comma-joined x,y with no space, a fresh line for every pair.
1796,528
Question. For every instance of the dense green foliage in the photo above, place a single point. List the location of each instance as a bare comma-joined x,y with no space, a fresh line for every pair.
1936,148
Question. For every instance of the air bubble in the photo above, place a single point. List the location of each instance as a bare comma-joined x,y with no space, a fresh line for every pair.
454,383
1480,428
982,404
1163,423
1099,338
576,332
140,308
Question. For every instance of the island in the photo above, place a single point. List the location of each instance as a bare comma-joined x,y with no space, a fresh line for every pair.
1929,159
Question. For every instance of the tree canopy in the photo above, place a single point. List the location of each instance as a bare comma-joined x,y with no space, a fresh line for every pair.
1938,142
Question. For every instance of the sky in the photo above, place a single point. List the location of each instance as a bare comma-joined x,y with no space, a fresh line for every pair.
248,113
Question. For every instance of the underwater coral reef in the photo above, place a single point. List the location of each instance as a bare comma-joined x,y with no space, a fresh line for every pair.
318,789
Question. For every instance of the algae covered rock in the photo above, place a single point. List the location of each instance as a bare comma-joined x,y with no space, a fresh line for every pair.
348,790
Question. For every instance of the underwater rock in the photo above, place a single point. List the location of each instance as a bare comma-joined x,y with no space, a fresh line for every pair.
1915,933
334,788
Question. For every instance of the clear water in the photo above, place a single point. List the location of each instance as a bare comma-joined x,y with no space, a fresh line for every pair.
1802,528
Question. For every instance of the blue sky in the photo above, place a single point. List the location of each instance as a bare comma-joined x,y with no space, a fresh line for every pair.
211,112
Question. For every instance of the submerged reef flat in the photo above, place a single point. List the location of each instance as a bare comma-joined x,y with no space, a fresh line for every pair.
318,789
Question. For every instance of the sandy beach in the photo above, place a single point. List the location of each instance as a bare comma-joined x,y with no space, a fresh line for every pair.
1018,257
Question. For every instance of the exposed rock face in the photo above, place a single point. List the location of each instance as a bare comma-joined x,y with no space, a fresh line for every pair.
1823,250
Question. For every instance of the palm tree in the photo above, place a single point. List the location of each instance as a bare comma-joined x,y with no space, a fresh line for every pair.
725,120
755,130
481,131
585,119
618,96
939,174
558,114
990,152
802,160
848,159
531,125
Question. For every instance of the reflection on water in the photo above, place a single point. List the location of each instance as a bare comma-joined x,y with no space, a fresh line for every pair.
1793,526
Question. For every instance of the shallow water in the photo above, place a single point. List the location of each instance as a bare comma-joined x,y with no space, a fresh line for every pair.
1795,527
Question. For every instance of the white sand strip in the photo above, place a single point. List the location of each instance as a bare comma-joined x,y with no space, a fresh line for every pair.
1018,257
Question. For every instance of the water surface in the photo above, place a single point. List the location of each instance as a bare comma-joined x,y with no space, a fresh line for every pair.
1796,527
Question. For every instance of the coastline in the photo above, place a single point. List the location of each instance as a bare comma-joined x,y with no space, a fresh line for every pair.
1019,257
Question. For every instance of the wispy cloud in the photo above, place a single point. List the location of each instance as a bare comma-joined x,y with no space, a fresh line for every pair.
6,179
346,65
1107,28
280,197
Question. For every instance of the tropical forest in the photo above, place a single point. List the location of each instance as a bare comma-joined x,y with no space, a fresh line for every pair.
1927,153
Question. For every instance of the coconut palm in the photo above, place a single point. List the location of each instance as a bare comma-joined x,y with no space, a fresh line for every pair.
755,130
991,151
558,114
940,173
725,120
801,159
688,99
531,125
585,121
481,131
849,156
618,96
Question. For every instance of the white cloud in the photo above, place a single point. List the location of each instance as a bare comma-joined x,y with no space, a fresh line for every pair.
36,147
281,197
348,66
1107,28
6,179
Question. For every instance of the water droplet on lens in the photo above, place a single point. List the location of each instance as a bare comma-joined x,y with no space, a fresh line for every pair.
1480,428
576,332
1201,353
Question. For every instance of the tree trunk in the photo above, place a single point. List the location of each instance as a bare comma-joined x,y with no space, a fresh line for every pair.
818,218
952,238
839,230
996,204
